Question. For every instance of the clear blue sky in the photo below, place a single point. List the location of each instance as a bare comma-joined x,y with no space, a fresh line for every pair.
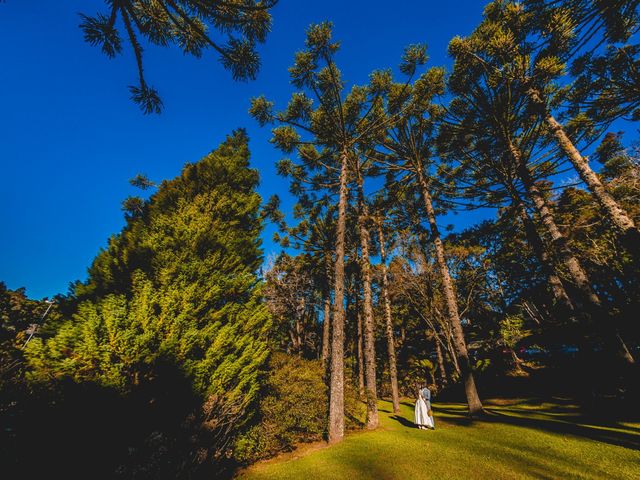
70,138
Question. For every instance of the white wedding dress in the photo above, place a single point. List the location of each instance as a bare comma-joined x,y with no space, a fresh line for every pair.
422,418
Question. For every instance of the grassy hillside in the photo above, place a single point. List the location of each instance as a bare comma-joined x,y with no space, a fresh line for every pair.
520,439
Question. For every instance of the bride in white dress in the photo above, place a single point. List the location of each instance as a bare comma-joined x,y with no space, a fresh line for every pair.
422,419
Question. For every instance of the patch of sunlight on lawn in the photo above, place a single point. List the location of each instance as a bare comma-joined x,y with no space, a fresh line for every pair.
519,439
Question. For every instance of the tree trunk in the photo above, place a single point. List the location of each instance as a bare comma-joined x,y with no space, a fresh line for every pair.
589,299
300,333
360,350
326,331
431,378
326,322
440,357
617,215
473,400
336,387
391,347
294,346
558,291
451,351
517,362
558,241
367,300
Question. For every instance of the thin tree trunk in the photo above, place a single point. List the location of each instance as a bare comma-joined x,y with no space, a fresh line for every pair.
336,387
294,346
300,333
517,362
431,378
451,351
391,347
367,300
326,322
617,215
473,399
360,350
440,357
349,319
590,300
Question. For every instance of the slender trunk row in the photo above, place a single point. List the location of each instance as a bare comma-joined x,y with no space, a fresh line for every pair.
441,369
558,291
589,298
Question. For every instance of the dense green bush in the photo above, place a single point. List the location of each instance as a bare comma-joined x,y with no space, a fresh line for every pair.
292,409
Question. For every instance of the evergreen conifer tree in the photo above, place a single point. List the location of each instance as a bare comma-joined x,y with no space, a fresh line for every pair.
177,286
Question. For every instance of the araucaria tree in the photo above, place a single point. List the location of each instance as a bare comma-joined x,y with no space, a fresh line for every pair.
410,158
187,24
313,235
493,116
324,125
531,48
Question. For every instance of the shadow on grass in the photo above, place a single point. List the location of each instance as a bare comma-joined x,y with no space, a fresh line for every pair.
403,421
557,421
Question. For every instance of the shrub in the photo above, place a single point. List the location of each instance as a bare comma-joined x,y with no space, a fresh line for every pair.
293,409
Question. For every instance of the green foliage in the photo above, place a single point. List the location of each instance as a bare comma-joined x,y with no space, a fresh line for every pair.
186,24
133,206
177,286
293,409
512,330
419,371
482,365
142,182
413,56
17,314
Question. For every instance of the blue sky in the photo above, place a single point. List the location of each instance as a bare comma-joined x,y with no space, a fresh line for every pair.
70,138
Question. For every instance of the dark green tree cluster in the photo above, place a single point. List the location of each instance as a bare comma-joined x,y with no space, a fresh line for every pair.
178,286
20,318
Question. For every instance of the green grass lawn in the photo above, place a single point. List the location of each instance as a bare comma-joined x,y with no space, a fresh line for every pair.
520,439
